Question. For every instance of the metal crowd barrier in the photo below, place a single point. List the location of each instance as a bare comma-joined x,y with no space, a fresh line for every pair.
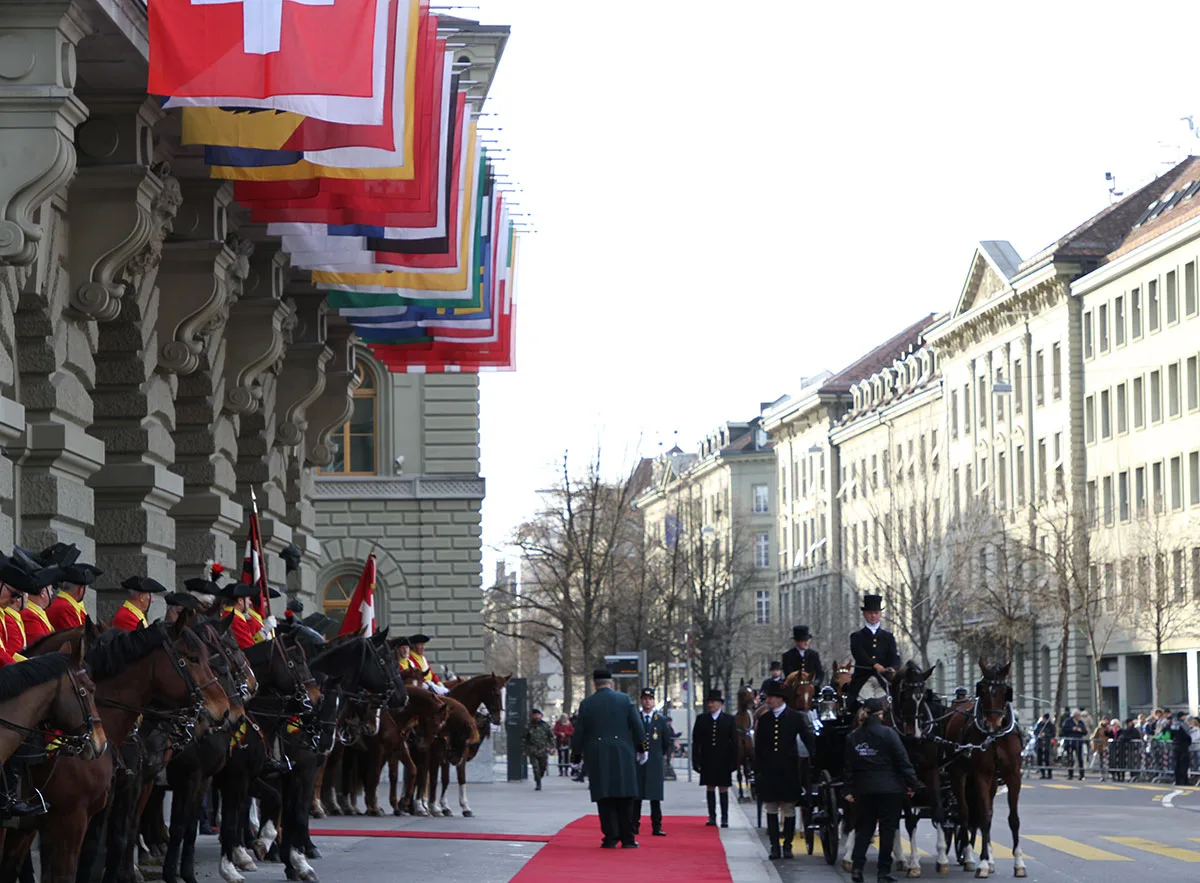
1142,760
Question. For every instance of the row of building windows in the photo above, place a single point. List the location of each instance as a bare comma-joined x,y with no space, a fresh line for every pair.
807,478
960,407
1164,393
1156,487
1135,314
1159,578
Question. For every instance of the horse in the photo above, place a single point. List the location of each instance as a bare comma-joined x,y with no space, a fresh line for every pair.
486,691
422,721
986,728
803,690
744,721
916,720
156,673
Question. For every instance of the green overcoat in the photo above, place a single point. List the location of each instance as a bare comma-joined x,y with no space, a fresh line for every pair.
609,734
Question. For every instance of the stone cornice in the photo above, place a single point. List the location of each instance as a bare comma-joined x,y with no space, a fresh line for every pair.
997,316
374,487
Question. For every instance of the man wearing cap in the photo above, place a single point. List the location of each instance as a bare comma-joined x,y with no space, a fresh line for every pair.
714,754
537,742
1181,742
781,737
132,614
610,736
15,580
877,775
873,647
651,773
800,658
12,602
66,610
417,657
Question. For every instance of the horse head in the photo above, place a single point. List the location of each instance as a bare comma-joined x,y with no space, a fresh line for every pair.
993,699
74,709
191,660
909,710
804,691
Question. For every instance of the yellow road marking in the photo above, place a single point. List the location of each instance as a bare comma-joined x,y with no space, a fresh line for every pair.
1075,848
1184,855
1063,787
1108,787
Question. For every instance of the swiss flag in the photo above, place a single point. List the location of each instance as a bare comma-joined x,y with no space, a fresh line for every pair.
261,48
361,612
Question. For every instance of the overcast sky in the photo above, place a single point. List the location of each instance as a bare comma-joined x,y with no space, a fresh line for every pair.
731,196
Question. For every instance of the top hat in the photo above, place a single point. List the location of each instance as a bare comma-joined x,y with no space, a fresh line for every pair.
601,674
646,691
875,706
714,695
144,584
800,633
774,688
419,638
872,602
775,664
183,599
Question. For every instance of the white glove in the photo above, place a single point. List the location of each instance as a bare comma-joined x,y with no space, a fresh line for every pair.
642,757
438,688
269,624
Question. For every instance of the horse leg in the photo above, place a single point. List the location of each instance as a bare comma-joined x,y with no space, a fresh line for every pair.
913,864
60,853
191,820
959,781
462,791
442,805
985,789
1014,825
16,850
181,787
938,812
318,807
234,792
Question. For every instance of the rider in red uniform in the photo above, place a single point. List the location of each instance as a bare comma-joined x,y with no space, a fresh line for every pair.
132,614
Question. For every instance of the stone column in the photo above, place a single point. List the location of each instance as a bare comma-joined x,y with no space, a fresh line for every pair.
123,206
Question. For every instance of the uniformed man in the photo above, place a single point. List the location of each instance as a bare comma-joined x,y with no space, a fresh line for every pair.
873,647
781,737
775,676
1044,732
12,601
66,611
417,655
609,734
245,629
801,658
33,615
877,775
651,773
132,614
177,602
714,754
15,580
537,742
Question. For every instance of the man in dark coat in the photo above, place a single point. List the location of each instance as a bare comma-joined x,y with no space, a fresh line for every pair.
1181,742
775,676
873,647
1043,735
714,754
801,658
651,773
877,775
610,736
782,736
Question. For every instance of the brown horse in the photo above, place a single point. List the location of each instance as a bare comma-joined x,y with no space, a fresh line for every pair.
803,690
417,725
475,693
986,724
744,739
163,665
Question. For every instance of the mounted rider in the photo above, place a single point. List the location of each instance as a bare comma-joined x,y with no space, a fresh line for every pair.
873,648
416,656
802,659
131,615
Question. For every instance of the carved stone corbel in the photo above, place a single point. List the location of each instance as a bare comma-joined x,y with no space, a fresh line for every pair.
331,409
259,330
38,115
300,383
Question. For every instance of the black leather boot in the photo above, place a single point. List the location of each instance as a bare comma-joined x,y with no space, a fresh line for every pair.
11,806
712,808
789,831
773,835
724,809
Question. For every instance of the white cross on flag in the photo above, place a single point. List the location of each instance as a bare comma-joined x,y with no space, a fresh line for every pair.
321,58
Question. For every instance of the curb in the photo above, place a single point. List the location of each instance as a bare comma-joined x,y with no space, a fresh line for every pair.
744,850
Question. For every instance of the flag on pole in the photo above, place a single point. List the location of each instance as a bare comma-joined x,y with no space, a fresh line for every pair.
361,612
254,570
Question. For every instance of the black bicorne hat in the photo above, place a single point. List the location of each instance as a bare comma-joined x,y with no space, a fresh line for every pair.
183,599
201,586
144,584
419,638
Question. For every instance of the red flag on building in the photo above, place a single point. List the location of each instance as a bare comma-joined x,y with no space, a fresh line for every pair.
361,612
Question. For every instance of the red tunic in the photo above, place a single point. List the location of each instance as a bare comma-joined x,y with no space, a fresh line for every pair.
37,625
244,629
65,613
128,618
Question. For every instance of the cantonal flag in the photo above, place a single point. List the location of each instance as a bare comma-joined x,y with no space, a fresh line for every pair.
361,612
321,58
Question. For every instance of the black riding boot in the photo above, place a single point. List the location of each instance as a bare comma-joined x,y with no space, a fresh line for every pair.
789,831
724,809
11,806
712,808
773,835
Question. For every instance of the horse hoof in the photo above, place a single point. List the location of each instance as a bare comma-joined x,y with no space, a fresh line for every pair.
273,853
914,872
467,814
229,873
242,860
374,812
396,811
942,869
318,812
1018,872
847,866
981,873
447,813
968,866
312,852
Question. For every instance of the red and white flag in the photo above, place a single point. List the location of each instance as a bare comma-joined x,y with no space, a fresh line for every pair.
361,612
321,58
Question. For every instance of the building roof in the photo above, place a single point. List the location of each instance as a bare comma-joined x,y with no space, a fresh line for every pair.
1180,202
1003,255
880,357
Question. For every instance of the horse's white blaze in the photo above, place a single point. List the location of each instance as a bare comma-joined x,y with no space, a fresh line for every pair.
242,860
229,873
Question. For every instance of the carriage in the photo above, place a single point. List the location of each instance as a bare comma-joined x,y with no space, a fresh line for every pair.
821,805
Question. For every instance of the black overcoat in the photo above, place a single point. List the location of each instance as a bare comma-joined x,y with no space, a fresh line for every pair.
776,756
651,773
714,749
809,660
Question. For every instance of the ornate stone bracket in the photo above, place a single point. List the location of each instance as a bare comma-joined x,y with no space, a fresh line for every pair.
259,330
38,115
300,383
331,409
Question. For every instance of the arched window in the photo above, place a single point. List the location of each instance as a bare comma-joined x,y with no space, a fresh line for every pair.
335,599
355,444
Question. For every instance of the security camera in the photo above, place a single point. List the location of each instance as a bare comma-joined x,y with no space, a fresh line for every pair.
399,465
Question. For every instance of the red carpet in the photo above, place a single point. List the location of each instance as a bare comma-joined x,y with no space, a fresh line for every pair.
690,851
429,835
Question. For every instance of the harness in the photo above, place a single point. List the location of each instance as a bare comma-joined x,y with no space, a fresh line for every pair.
70,743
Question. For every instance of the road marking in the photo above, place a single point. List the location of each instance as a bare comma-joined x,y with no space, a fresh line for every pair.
1077,849
1063,787
1184,855
1108,787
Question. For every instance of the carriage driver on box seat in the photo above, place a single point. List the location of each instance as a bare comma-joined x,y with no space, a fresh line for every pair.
800,658
873,647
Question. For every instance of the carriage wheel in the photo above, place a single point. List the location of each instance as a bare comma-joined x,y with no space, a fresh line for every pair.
829,817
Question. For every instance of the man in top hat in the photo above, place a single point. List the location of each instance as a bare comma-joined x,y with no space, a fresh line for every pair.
873,647
781,737
651,773
132,614
801,658
610,736
775,676
417,657
714,754
877,773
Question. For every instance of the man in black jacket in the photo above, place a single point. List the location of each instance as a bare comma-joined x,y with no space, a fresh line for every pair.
1074,733
1043,734
781,738
873,647
1181,741
801,658
714,754
775,676
878,775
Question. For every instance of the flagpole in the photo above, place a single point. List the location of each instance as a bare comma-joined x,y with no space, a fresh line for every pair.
256,534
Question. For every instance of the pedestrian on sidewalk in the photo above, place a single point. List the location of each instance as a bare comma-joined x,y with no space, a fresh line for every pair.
878,775
782,738
651,773
1043,734
538,742
562,736
714,754
610,737
1073,733
1181,742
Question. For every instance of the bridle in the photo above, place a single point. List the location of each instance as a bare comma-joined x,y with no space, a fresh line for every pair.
71,743
240,670
921,726
984,691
